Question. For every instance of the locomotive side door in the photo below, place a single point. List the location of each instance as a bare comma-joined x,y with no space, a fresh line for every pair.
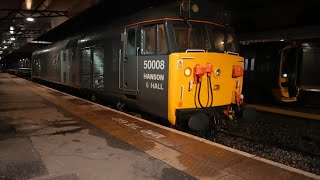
130,62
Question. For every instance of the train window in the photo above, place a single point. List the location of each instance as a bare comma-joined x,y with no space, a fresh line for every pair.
189,38
131,42
289,63
252,64
230,43
218,41
36,66
149,40
162,47
246,64
98,56
200,36
63,55
98,65
85,61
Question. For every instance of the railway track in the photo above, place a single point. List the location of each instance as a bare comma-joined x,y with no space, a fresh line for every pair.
286,146
272,144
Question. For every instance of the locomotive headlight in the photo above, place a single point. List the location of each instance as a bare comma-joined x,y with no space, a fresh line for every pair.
218,73
187,71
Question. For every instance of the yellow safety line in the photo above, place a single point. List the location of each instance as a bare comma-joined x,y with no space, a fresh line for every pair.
285,112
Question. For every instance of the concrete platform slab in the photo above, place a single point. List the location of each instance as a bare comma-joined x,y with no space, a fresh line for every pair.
19,159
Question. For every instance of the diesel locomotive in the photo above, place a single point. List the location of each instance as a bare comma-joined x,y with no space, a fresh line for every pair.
178,61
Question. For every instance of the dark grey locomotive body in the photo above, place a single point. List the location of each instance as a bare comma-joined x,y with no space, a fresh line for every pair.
99,65
127,62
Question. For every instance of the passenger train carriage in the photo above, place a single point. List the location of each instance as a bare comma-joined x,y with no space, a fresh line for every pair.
173,61
282,71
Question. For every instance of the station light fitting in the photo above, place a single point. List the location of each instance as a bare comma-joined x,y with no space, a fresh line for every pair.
41,42
12,38
30,19
11,30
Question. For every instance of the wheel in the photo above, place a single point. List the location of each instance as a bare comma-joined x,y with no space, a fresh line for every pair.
93,98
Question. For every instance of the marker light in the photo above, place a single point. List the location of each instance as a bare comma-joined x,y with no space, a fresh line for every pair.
285,75
237,71
187,71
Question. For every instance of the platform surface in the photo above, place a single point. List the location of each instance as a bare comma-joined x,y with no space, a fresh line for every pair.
47,134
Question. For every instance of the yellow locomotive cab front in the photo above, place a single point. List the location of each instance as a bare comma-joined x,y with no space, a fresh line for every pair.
186,80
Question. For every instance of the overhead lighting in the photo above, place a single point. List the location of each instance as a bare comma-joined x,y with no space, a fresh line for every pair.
40,42
5,47
30,19
281,39
11,30
12,38
1,52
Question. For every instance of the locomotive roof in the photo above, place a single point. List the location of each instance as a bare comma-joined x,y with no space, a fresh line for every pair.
206,10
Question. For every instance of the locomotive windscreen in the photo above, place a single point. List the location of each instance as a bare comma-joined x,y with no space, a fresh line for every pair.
203,36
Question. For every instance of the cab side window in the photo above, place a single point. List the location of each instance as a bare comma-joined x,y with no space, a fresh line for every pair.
230,43
153,39
131,42
162,47
149,40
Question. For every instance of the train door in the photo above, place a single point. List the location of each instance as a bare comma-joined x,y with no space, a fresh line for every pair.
92,68
98,68
64,66
86,64
288,74
35,67
130,62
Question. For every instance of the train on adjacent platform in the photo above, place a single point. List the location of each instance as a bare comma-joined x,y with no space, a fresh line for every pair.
176,61
282,72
